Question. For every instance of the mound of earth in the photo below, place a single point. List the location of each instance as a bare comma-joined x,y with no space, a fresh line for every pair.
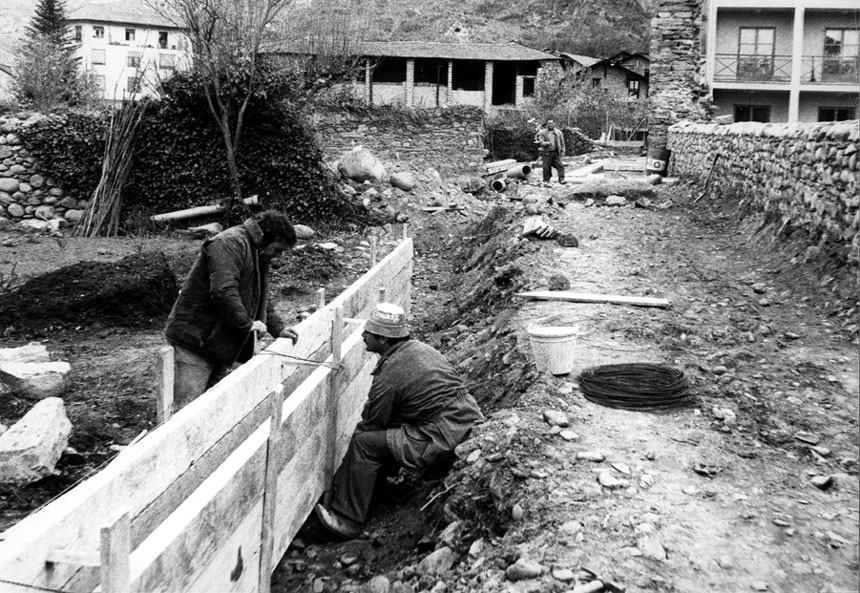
136,291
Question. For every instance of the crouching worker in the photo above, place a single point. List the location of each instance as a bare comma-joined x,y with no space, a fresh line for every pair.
224,303
416,413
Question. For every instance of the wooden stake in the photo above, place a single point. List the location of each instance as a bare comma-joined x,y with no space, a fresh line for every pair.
381,295
274,456
115,551
405,230
166,379
374,248
321,298
334,387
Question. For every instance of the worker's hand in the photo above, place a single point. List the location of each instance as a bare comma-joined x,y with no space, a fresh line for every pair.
260,328
290,333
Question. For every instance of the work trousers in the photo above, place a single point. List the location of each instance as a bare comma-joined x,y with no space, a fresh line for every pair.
552,159
354,481
193,374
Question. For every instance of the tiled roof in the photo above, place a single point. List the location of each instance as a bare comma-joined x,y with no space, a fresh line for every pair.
586,61
510,51
131,13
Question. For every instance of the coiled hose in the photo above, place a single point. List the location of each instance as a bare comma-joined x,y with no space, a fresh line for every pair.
635,386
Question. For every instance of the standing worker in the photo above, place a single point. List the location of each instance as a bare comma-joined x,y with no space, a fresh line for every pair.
552,148
224,303
416,413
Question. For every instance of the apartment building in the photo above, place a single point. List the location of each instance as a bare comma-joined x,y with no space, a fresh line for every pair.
123,41
784,60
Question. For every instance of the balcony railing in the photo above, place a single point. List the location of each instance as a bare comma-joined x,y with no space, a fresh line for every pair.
830,70
752,68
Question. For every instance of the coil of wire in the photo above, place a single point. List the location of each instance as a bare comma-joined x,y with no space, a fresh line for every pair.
635,386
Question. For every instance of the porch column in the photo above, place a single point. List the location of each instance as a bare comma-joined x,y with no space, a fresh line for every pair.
796,66
450,82
488,85
410,82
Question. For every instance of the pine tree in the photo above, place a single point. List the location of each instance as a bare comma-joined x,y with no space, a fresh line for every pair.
49,22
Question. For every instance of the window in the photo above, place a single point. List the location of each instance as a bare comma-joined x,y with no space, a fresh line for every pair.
390,70
131,84
759,113
129,34
529,86
756,53
431,71
98,56
98,32
132,60
633,88
841,54
836,113
162,39
468,75
78,33
166,61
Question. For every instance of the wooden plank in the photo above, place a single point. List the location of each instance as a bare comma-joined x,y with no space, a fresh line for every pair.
582,297
165,381
273,456
358,300
193,534
587,170
115,550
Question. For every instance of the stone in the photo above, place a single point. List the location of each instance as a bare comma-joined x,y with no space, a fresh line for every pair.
34,224
823,451
5,198
73,216
523,569
303,232
807,437
517,512
46,212
30,449
558,282
567,240
570,528
67,202
758,586
32,352
568,435
5,152
359,164
58,192
348,559
471,184
591,456
15,210
610,482
9,185
822,482
378,584
37,181
616,201
403,180
476,548
555,418
565,575
37,380
652,547
437,562
450,536
13,139
17,169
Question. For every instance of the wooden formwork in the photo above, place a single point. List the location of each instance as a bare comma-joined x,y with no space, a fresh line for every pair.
210,499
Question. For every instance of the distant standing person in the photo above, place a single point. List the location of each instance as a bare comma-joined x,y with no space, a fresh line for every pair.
224,302
552,150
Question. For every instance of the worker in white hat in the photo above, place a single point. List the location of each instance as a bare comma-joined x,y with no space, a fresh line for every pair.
417,411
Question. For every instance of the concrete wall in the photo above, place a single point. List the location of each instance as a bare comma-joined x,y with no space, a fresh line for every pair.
810,102
726,99
803,177
731,21
449,140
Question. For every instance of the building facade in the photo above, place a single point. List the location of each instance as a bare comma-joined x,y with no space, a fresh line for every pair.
128,47
784,60
623,74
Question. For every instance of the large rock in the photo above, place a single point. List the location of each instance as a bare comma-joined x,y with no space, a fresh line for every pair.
9,185
30,449
32,352
46,212
303,232
437,562
360,165
36,380
523,569
471,184
403,180
74,216
15,210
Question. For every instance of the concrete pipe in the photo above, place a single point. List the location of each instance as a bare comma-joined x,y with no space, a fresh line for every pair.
519,171
498,185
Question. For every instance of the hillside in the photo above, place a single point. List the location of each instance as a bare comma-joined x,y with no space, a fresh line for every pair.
592,27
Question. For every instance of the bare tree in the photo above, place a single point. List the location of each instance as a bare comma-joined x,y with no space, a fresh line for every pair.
225,36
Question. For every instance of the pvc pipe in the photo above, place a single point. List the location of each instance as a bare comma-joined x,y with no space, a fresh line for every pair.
498,185
198,211
519,171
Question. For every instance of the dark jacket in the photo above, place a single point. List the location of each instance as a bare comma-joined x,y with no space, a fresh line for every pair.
225,291
421,403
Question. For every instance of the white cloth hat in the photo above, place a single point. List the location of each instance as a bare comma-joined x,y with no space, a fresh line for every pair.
387,320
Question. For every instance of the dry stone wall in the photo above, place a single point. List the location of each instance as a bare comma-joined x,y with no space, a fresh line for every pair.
450,140
800,176
26,195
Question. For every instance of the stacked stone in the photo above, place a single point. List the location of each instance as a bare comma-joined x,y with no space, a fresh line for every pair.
676,88
576,142
449,140
25,193
804,175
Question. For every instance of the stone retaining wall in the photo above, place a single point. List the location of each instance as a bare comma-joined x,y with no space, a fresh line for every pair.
450,139
25,194
799,176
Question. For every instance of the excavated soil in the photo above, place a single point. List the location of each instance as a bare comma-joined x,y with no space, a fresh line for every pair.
766,330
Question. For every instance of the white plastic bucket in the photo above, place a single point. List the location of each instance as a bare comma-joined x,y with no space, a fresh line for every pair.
553,347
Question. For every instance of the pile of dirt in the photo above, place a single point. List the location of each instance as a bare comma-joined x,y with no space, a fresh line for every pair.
136,291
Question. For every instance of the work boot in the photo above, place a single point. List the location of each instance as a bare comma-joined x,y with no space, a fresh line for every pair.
345,528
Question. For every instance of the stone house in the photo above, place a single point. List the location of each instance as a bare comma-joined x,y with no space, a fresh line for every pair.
783,60
492,76
122,41
624,74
